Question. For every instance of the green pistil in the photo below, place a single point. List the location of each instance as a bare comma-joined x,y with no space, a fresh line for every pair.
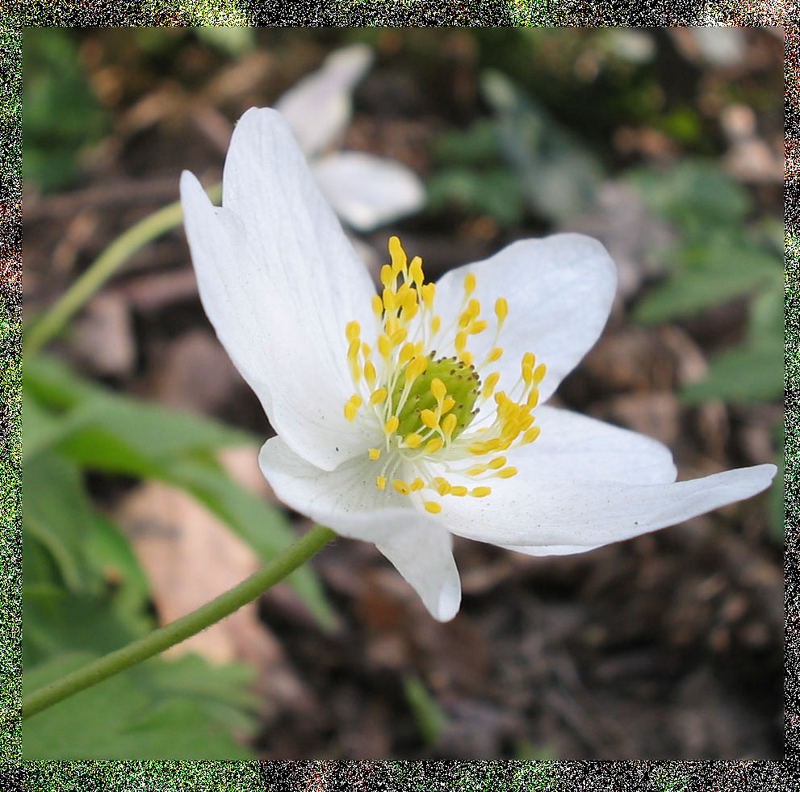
462,383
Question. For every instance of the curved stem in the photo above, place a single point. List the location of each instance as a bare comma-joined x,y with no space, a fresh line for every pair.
102,268
182,628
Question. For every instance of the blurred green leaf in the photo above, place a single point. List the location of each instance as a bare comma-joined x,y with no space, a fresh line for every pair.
694,195
430,717
710,273
476,146
61,116
558,174
58,514
106,432
494,192
180,709
57,621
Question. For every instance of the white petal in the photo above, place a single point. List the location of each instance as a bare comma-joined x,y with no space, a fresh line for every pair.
291,282
318,107
572,445
535,510
368,191
347,501
559,291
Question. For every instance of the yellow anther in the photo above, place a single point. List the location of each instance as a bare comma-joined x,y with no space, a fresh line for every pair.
496,463
481,492
351,407
477,327
378,396
410,310
389,300
374,453
469,283
352,331
476,471
507,472
538,375
438,389
466,358
413,440
415,270
390,427
495,354
416,368
387,276
533,398
428,292
531,434
432,506
501,309
428,417
353,349
433,445
442,485
448,404
436,324
449,423
401,486
461,340
458,491
399,335
370,375
377,305
490,384
384,345
407,352
380,482
417,484
399,258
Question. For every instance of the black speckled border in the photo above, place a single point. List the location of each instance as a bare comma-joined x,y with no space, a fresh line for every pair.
567,775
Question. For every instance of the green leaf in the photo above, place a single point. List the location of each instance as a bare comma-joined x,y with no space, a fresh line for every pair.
726,272
495,192
745,375
58,514
110,553
148,712
430,717
557,172
56,621
695,195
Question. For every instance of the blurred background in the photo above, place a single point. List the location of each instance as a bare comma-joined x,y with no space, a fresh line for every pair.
143,497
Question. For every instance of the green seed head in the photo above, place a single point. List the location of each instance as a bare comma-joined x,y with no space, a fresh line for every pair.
462,384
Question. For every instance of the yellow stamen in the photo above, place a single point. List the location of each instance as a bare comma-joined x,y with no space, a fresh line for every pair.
378,396
380,482
413,440
417,484
507,472
434,445
469,283
501,309
438,389
374,453
432,506
458,491
401,486
391,425
428,417
497,462
442,485
495,354
481,492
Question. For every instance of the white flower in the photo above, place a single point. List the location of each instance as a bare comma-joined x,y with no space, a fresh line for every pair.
365,191
408,416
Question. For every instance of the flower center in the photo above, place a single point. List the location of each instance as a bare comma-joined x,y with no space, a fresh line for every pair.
446,387
435,414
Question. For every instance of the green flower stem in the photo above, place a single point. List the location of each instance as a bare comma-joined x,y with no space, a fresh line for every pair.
182,628
103,267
